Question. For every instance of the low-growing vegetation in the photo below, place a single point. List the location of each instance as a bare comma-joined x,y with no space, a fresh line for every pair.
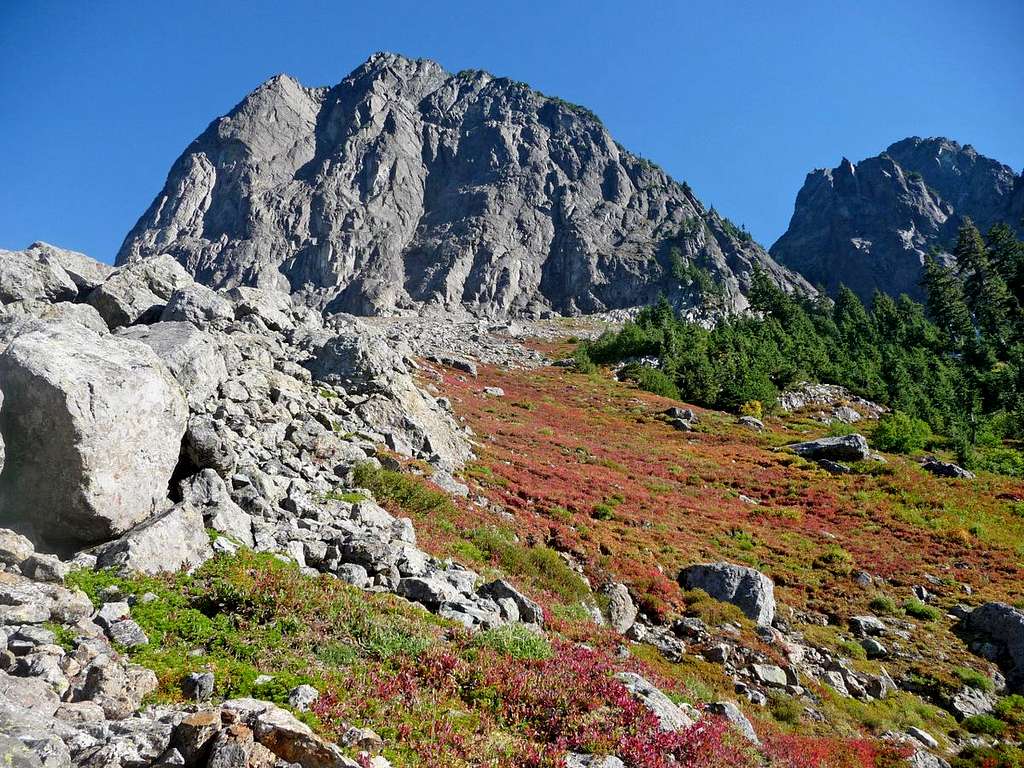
437,694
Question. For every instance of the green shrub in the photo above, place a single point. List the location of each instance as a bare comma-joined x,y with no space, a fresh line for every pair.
410,493
785,709
651,380
883,604
539,564
852,649
582,361
752,408
919,610
1000,461
1000,756
835,559
900,433
1011,709
985,725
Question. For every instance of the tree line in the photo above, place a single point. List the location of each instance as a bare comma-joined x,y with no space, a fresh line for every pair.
955,363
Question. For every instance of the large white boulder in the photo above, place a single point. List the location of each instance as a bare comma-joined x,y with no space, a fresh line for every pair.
92,425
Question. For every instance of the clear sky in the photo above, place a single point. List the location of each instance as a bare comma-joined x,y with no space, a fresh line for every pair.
740,99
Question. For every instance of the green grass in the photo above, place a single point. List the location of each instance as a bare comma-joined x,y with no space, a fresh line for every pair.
250,614
408,492
352,497
974,679
920,610
515,641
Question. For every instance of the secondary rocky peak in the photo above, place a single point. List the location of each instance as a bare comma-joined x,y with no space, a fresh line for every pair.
408,188
869,225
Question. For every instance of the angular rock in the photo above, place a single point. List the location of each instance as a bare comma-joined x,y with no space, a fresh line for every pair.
29,692
968,702
302,697
749,590
172,540
34,274
92,426
770,674
1005,625
198,686
138,293
198,305
529,611
946,469
14,548
207,448
670,717
285,736
734,715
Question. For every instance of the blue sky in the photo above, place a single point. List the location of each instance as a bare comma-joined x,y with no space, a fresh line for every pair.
741,99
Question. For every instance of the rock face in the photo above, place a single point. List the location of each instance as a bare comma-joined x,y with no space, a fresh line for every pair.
1004,625
405,186
92,426
749,590
870,225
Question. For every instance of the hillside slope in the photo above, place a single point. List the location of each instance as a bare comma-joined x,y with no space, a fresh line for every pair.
405,186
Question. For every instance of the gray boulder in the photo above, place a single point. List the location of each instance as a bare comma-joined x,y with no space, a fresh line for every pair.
14,548
138,293
1004,625
172,540
84,271
92,426
50,312
621,609
192,357
734,715
843,448
34,274
198,305
529,611
946,469
670,717
746,588
207,448
208,492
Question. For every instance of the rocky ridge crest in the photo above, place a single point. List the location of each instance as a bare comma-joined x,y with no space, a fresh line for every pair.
407,188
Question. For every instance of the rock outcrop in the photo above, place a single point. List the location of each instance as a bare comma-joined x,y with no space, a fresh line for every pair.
407,187
92,426
869,225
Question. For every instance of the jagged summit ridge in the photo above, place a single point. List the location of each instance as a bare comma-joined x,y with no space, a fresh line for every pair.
870,225
406,187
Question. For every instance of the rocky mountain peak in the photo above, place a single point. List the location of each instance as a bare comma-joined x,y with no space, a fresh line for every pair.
407,188
870,225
